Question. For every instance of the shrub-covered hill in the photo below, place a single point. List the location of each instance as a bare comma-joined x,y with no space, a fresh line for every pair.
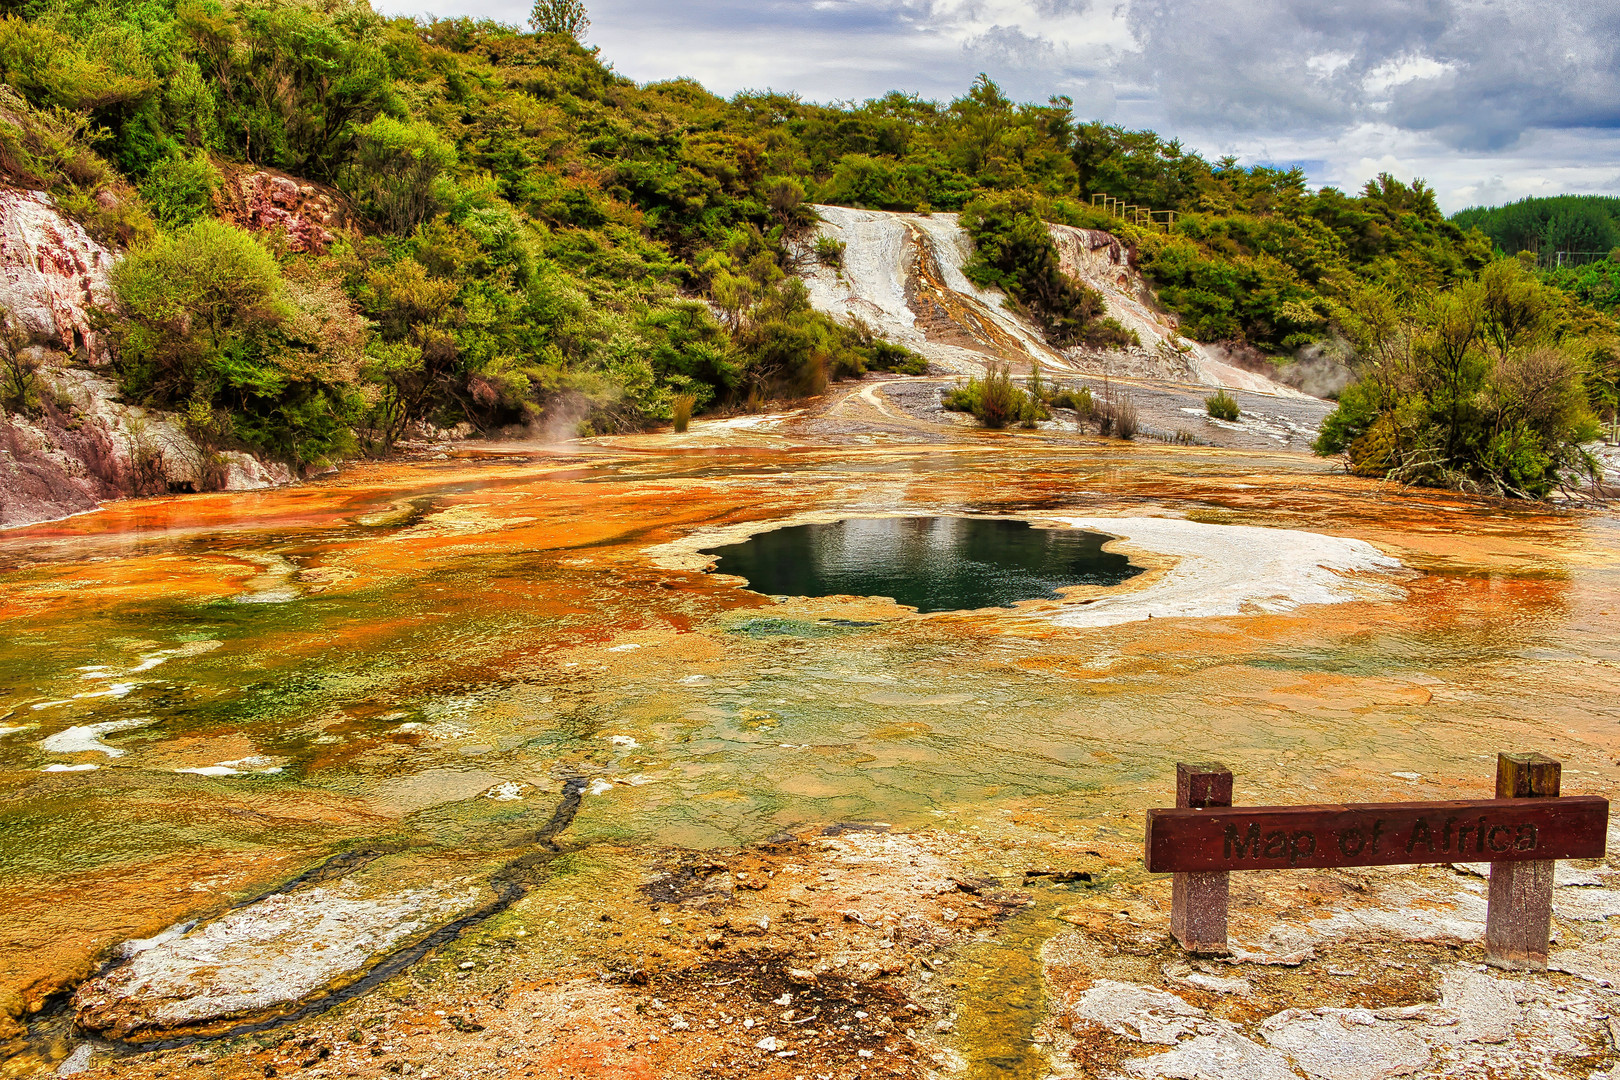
525,227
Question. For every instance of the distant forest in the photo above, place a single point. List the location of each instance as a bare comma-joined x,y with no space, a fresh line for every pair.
1583,225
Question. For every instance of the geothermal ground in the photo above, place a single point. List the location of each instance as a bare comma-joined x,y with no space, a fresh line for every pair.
464,766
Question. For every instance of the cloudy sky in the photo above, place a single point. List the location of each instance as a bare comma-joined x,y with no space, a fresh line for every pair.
1489,100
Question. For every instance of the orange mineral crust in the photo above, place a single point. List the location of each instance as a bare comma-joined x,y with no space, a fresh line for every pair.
546,792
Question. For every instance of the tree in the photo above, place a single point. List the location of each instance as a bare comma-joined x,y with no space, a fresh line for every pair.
560,17
396,168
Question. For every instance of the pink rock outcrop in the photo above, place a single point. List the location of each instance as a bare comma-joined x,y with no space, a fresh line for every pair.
51,273
267,201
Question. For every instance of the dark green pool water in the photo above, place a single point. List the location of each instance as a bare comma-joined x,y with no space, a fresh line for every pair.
929,563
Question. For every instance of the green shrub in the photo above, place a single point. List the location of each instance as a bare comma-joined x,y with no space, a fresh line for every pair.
995,400
1064,397
1480,387
206,324
1079,400
19,373
830,252
1221,406
179,190
396,170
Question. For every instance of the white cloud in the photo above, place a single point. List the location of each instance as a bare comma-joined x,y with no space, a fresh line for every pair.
1401,70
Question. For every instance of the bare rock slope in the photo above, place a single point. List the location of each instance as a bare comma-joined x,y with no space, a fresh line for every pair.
902,276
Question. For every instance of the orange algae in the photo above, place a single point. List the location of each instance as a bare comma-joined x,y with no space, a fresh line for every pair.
429,633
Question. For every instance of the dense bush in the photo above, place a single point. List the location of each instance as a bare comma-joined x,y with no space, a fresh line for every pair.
180,190
995,400
210,327
1479,386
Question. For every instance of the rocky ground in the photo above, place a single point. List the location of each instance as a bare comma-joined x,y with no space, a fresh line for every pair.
853,952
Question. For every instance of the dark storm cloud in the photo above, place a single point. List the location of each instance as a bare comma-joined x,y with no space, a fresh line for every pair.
1519,67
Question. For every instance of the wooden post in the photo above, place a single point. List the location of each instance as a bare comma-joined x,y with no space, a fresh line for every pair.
1198,902
1518,922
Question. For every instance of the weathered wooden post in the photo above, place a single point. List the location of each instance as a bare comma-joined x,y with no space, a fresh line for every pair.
1518,922
1198,902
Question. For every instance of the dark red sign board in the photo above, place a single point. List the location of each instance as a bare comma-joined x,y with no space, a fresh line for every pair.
1375,834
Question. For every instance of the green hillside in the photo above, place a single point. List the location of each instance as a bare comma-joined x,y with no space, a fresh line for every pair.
536,234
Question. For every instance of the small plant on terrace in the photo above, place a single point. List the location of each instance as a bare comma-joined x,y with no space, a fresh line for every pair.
681,409
1222,406
996,401
19,373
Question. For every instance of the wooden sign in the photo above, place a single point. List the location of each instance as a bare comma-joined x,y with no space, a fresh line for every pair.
1520,833
1375,834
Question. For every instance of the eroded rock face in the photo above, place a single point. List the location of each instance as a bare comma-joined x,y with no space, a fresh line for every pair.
267,201
81,445
84,446
51,273
261,958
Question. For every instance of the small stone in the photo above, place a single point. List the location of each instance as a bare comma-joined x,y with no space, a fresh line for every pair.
467,965
944,1027
748,1023
801,977
77,1062
678,1024
785,999
767,1044
864,1053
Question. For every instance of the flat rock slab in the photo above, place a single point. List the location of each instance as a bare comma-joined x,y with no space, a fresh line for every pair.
262,958
1346,1044
1474,1008
1224,1055
1137,1011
